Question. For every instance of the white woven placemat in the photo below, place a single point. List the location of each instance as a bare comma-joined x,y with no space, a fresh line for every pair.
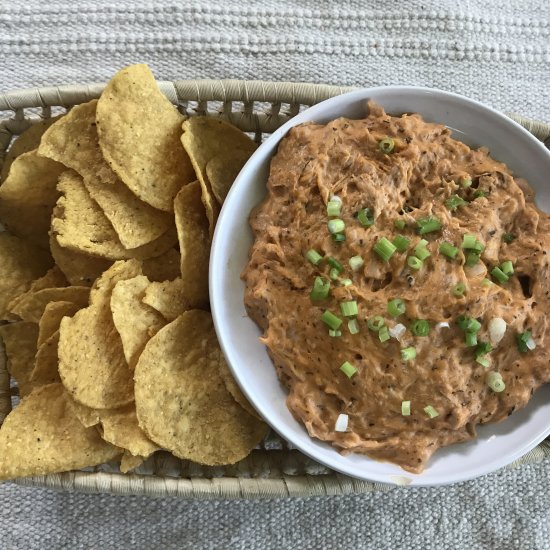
498,53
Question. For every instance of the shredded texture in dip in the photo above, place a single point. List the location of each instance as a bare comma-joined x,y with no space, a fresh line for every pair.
452,378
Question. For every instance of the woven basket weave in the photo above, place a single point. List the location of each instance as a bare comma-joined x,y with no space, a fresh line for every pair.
275,469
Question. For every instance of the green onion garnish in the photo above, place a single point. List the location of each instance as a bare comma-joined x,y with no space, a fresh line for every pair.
334,274
469,241
313,257
414,263
356,262
478,194
483,348
333,208
386,145
396,307
430,411
346,282
399,224
508,237
428,225
420,250
406,408
349,309
334,333
365,217
499,275
465,181
385,249
521,339
336,226
447,249
348,369
483,361
458,290
507,267
453,202
333,262
353,326
468,324
487,282
420,327
407,354
321,289
331,320
471,339
401,243
339,237
472,258
384,334
495,382
376,323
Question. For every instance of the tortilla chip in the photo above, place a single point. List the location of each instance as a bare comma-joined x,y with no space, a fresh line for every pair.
45,363
91,358
41,436
206,138
20,345
30,306
139,134
87,416
182,403
79,269
223,170
51,318
28,196
194,239
79,224
21,262
165,267
135,321
130,462
233,388
170,298
53,278
25,142
73,141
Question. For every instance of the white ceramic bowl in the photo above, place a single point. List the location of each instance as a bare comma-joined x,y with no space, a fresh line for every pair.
473,123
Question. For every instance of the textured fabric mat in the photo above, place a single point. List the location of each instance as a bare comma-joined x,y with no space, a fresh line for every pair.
497,51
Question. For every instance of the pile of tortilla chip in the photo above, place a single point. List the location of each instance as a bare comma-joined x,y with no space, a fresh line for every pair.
108,214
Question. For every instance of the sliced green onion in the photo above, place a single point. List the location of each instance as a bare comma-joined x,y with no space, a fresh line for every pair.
420,250
487,282
469,241
414,263
334,333
333,262
384,334
396,307
331,320
336,226
472,258
420,327
478,247
401,243
349,309
333,208
428,225
447,249
407,354
346,282
483,348
353,326
499,275
399,224
339,237
459,290
406,408
365,217
471,339
356,262
507,267
483,361
508,238
334,274
495,382
430,411
348,369
521,339
465,181
453,202
376,323
385,249
313,257
468,324
386,145
321,289
479,193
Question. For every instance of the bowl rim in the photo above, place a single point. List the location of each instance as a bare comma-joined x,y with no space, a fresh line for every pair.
215,269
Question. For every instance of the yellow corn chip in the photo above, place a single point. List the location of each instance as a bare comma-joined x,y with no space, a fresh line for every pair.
165,267
139,132
45,363
51,318
130,462
223,170
233,388
170,298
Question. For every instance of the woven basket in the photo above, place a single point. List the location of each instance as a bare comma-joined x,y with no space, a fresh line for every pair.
275,469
